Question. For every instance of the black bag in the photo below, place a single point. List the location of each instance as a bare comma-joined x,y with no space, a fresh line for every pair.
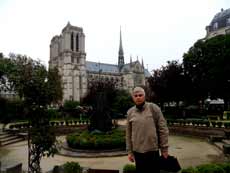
170,164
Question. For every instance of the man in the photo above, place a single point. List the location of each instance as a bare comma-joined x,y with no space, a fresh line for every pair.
146,134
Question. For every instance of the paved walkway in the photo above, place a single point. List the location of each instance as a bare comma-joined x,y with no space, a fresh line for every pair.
189,151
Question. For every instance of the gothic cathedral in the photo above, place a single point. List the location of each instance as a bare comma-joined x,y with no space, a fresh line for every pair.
67,52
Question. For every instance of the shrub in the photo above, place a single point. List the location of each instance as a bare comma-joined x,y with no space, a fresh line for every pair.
226,124
72,167
129,168
226,167
189,170
210,168
97,140
56,169
53,114
71,104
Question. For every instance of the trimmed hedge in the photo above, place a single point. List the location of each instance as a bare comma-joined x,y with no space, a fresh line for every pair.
208,168
97,140
72,167
129,168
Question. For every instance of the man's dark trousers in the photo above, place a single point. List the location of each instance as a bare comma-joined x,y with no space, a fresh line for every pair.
147,162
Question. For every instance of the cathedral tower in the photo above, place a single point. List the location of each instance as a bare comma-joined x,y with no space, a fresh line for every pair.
67,52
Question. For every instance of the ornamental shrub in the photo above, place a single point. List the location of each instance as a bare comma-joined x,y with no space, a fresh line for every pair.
72,167
97,140
129,168
210,168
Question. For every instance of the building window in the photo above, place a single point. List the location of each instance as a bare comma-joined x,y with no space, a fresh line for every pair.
228,22
215,26
71,41
77,43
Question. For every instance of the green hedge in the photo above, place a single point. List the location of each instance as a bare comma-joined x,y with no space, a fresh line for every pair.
97,140
208,168
129,168
72,167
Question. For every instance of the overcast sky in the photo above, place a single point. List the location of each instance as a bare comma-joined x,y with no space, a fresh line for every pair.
155,30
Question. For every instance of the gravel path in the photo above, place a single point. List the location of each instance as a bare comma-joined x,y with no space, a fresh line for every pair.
189,151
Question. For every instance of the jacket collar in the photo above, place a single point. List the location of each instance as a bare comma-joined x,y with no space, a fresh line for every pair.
141,107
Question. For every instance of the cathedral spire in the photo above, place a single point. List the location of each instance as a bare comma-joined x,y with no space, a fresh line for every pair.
120,53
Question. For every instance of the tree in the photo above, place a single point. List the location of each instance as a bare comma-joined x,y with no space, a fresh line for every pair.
101,95
121,103
54,85
207,63
37,88
5,66
169,83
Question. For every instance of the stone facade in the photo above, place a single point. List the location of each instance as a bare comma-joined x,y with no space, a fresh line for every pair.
220,24
67,52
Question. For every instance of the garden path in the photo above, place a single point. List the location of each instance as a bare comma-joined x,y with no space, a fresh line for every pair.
189,151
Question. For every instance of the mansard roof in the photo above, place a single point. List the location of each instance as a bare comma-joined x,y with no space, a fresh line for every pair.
221,19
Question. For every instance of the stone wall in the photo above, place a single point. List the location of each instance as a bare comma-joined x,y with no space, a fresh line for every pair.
196,131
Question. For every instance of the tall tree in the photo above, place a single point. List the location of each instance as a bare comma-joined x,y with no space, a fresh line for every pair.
169,83
101,95
37,88
208,64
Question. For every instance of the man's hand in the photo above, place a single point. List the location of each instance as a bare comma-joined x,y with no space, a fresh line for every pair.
131,157
165,154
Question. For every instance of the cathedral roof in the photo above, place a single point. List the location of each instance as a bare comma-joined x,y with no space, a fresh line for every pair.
109,68
106,68
147,74
220,20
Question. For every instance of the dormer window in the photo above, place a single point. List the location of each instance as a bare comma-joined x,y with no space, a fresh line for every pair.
215,26
228,22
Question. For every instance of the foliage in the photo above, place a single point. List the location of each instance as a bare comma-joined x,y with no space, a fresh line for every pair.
69,104
72,167
207,64
54,85
5,66
101,96
122,102
129,168
208,168
189,170
53,114
11,110
169,83
38,88
97,140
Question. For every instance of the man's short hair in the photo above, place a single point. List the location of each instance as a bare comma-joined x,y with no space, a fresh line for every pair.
138,89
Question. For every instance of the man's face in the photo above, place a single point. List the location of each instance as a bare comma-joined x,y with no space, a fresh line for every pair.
138,98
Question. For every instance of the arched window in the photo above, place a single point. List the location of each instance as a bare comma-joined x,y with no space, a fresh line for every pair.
77,43
71,41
